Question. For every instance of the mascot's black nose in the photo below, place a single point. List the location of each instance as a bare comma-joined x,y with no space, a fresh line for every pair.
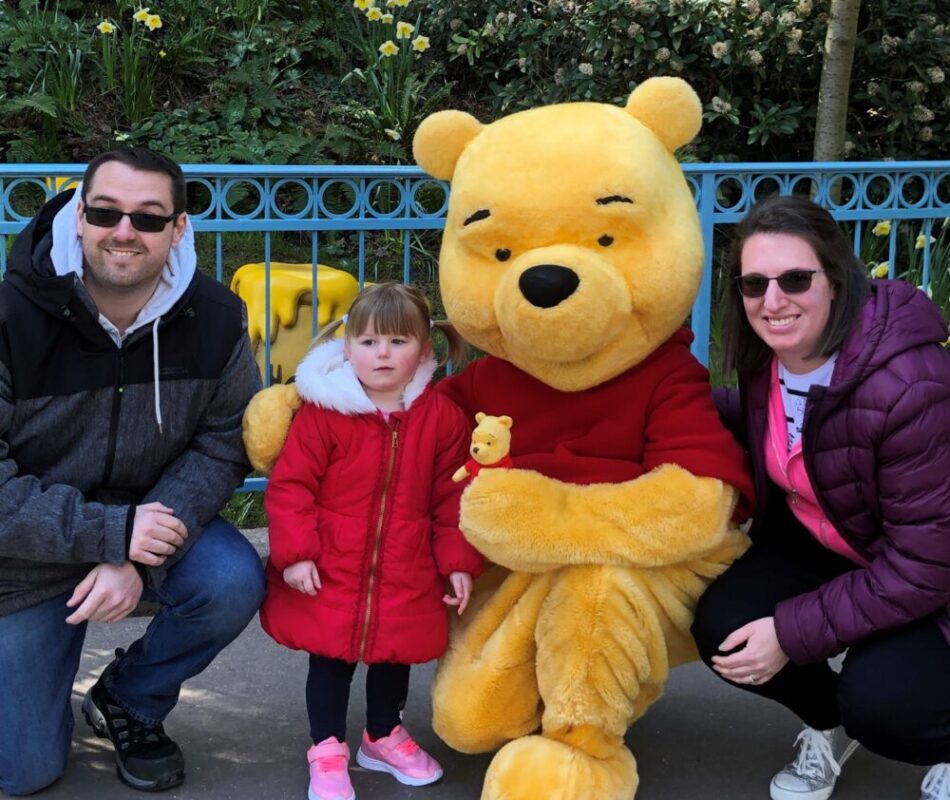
546,285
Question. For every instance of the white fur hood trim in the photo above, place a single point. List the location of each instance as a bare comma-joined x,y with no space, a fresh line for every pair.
326,379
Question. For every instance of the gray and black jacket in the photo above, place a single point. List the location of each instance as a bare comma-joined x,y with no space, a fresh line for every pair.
85,436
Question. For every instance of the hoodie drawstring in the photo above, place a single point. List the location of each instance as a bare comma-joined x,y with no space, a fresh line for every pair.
155,375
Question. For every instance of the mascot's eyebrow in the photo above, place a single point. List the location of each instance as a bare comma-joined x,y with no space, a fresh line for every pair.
614,198
479,215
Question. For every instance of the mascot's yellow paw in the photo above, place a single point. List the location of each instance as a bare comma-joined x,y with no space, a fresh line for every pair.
266,422
536,767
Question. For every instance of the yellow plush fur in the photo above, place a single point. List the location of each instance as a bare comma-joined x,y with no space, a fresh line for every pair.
572,632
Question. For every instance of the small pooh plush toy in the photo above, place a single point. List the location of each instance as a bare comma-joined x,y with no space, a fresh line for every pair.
491,441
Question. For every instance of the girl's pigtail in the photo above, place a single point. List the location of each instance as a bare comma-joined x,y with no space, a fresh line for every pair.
457,347
327,333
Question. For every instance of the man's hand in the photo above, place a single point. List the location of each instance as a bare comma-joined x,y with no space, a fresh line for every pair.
462,586
156,534
107,594
303,577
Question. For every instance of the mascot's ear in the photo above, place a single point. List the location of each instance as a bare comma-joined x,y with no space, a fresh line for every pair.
670,108
440,140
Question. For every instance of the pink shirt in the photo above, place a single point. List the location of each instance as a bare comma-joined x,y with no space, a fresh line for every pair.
787,469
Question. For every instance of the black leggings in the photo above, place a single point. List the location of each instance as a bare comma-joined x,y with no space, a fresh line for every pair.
893,692
328,695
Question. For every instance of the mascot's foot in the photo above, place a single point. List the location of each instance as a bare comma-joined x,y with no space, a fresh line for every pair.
537,768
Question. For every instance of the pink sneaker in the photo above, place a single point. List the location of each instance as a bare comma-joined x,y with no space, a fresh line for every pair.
329,778
400,756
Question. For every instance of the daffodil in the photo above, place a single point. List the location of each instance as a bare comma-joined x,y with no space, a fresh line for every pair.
880,270
153,22
402,3
883,228
404,30
162,54
141,15
387,19
392,134
106,28
119,136
364,5
420,44
389,48
947,343
374,14
922,241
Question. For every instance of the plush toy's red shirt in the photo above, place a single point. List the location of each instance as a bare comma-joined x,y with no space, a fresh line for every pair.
474,467
658,412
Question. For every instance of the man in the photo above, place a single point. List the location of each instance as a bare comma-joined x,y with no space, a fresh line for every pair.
124,374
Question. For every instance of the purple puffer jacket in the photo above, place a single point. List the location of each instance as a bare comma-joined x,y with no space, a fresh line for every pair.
877,450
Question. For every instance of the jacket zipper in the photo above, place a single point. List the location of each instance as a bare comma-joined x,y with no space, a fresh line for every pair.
114,419
379,530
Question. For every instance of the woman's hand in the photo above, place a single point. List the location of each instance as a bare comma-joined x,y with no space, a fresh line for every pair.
462,586
303,577
760,656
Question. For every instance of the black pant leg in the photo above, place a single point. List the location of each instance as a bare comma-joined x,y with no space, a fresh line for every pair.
328,696
784,562
387,687
894,694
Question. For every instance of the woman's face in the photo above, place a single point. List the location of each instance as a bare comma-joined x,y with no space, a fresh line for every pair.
791,324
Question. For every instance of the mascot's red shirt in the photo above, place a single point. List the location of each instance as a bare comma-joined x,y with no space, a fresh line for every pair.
658,412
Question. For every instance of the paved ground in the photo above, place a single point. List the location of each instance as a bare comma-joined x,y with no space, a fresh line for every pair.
242,725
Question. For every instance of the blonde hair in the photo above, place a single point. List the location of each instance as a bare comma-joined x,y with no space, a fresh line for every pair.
395,309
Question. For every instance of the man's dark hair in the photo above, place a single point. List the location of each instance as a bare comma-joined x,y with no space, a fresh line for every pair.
742,349
144,160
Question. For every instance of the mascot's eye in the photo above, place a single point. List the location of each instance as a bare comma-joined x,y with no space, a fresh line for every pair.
605,240
503,254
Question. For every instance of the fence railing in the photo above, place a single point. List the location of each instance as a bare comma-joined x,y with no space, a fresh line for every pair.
330,204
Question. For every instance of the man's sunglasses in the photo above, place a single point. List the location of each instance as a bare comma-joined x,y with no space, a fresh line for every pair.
792,281
110,217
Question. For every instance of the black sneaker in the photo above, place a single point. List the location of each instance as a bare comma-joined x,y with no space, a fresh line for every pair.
145,757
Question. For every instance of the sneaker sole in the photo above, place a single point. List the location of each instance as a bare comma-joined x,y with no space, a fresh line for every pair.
381,766
312,796
97,721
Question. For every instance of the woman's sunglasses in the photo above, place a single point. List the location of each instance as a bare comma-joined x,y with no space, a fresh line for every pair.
110,217
792,281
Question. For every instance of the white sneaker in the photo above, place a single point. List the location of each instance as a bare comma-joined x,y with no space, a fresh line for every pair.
812,775
936,785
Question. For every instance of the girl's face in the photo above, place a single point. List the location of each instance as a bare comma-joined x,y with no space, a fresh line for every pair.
384,363
791,324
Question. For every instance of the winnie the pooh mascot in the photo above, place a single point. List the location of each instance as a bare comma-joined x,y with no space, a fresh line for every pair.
571,255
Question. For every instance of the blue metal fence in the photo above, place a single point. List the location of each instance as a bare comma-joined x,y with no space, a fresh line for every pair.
317,200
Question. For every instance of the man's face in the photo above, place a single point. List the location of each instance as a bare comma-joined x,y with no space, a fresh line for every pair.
122,259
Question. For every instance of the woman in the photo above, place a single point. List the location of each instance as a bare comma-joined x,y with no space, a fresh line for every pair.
844,406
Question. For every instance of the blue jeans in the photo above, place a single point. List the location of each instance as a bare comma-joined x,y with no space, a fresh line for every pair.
207,600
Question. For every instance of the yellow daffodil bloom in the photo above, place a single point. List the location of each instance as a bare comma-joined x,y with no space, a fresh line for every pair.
387,19
404,30
922,240
153,22
389,48
392,134
880,270
141,15
106,28
402,3
364,5
420,44
162,54
883,228
390,3
374,14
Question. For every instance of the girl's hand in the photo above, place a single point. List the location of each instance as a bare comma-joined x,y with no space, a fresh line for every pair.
303,577
462,586
760,658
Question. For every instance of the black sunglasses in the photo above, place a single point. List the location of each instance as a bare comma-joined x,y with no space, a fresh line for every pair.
110,217
792,281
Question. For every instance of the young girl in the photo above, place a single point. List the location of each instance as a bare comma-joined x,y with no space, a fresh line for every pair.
364,530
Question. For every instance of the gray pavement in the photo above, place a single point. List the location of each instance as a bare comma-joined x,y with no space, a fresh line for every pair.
242,725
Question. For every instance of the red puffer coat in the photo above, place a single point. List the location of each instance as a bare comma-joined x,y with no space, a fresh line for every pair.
371,502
